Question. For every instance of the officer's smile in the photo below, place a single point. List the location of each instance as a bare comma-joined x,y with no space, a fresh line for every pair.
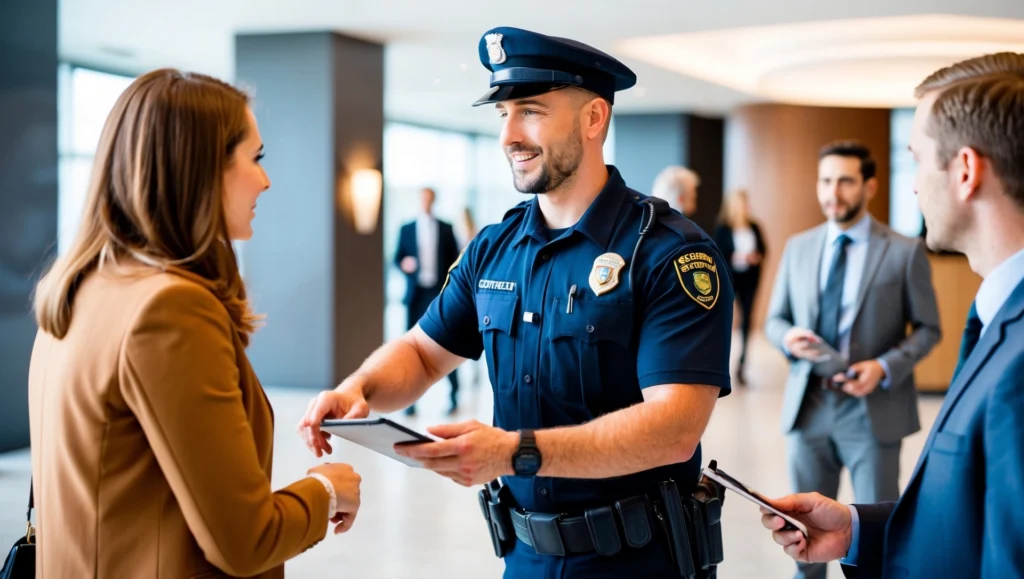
521,158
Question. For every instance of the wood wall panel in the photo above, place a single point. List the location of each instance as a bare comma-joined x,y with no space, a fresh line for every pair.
772,151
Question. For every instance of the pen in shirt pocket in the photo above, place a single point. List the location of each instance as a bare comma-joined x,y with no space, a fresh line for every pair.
572,293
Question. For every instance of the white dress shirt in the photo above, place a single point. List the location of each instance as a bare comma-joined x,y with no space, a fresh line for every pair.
426,249
996,288
744,243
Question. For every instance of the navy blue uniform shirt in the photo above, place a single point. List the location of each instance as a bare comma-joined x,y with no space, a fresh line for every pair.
555,364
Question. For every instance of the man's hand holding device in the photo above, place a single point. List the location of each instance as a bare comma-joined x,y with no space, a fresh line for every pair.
809,526
801,343
829,527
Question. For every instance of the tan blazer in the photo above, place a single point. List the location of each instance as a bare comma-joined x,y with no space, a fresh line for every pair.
152,442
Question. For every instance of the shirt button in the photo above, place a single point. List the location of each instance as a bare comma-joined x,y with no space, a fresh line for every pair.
543,492
527,379
487,320
590,329
545,257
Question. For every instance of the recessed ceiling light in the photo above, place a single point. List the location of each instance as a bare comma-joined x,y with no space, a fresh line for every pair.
873,62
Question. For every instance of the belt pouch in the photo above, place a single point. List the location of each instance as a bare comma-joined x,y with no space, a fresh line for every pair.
634,513
601,523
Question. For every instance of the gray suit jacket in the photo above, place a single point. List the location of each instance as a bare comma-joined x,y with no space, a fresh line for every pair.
895,290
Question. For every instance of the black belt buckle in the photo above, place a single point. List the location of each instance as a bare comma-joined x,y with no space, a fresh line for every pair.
544,533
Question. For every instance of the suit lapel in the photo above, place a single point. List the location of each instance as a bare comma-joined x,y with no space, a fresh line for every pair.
812,271
994,336
878,243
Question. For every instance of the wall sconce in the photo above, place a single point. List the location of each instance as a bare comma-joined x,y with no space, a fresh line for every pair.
366,195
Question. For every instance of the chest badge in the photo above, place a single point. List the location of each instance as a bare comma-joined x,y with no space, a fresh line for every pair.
604,276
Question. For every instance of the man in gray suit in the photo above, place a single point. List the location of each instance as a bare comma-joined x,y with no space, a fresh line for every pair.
855,285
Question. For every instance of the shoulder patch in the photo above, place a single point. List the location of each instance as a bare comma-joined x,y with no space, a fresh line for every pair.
698,274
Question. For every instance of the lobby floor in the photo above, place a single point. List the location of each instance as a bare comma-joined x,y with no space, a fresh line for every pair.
417,525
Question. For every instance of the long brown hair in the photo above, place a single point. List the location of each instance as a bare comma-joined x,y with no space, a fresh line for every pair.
156,194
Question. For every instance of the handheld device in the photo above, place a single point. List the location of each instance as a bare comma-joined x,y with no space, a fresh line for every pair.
753,496
377,434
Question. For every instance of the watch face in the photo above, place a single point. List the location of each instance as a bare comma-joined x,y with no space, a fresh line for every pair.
527,462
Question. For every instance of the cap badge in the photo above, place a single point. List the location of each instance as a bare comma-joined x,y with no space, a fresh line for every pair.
494,49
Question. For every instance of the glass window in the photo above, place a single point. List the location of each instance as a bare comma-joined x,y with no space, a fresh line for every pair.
86,98
414,158
904,215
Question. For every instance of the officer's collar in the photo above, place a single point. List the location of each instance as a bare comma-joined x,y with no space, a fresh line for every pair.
597,222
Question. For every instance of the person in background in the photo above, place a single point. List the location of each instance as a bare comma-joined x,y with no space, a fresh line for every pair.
739,239
469,229
426,249
677,185
853,285
152,439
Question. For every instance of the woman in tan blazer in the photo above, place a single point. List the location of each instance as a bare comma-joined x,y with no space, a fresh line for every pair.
152,439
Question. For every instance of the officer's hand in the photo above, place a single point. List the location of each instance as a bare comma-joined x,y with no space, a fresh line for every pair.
869,375
828,524
345,402
798,342
472,453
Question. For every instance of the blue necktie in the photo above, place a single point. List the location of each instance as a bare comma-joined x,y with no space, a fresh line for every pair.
832,297
972,332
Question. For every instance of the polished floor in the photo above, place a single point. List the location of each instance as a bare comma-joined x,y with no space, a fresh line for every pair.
414,524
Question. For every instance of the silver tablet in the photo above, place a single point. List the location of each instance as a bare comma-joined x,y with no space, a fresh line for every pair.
379,434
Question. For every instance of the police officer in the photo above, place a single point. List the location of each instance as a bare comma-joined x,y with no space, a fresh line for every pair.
605,318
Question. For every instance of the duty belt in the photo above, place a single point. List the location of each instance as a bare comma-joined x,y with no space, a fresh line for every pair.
689,524
595,530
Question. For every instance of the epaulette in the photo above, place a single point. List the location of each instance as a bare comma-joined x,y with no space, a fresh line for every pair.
519,208
671,219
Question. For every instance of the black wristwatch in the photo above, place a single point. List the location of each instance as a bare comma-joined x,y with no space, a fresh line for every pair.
526,459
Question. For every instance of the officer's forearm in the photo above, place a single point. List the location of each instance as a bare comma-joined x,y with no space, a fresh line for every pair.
400,371
664,429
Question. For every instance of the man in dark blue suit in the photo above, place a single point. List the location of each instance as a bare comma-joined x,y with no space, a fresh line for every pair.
426,249
961,514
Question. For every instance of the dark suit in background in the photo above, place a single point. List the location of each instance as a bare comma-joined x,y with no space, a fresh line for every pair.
744,281
417,296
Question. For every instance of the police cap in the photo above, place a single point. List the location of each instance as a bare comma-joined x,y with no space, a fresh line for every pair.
524,64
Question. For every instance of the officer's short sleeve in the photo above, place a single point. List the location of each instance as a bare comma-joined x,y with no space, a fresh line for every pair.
451,318
686,324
